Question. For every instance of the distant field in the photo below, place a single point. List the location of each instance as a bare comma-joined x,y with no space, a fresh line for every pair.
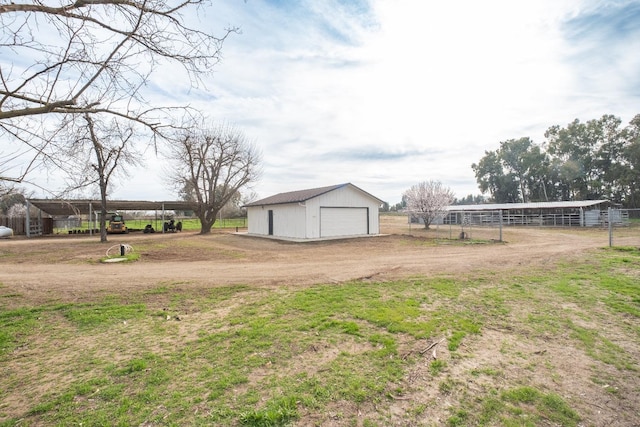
187,224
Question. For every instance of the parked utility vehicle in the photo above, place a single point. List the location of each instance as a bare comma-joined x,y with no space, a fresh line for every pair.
116,225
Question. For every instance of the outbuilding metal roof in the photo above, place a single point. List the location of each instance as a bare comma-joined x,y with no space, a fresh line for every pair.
575,204
57,207
302,195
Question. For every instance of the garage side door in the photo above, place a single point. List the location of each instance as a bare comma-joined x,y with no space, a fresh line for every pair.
343,222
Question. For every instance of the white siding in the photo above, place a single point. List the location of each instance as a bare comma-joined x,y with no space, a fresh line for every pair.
344,209
288,220
345,197
257,221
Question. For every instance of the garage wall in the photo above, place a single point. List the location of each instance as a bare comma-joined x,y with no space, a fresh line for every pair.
345,211
345,197
257,221
288,220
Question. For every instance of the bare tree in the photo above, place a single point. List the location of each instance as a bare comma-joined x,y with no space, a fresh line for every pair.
428,200
210,168
93,150
90,56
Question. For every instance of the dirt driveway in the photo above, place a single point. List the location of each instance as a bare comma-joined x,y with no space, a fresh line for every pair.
67,267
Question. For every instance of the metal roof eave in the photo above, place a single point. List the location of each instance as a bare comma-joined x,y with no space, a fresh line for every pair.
574,204
59,207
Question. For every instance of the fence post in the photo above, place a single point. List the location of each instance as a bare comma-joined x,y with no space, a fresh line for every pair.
610,226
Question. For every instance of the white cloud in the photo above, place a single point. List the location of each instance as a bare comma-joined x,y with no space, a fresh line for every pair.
402,91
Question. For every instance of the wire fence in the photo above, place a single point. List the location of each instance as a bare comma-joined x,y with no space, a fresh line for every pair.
623,225
462,226
626,232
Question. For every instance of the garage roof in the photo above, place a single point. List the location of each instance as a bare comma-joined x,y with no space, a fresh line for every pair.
57,207
303,195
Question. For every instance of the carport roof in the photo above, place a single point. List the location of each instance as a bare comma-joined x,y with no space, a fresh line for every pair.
58,207
573,204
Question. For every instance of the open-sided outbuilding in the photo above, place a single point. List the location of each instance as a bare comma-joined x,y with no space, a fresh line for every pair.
577,213
88,207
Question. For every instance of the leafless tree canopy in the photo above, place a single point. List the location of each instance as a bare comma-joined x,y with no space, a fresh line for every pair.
92,149
211,167
428,200
90,56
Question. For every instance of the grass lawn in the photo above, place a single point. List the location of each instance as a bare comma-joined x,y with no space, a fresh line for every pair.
476,350
187,224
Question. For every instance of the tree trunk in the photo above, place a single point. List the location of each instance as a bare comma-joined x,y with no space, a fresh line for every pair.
103,215
427,221
206,225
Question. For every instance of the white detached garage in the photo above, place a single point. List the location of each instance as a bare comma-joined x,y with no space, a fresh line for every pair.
342,210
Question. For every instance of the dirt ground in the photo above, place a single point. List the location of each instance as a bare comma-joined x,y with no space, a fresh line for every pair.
66,268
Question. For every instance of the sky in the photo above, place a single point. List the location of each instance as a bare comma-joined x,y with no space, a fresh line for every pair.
389,93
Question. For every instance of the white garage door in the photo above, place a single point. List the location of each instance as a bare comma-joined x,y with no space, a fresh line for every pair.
343,222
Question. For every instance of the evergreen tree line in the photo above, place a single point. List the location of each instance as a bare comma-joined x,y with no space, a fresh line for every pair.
598,159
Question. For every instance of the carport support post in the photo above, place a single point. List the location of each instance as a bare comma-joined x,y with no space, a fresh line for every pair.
163,218
28,230
500,226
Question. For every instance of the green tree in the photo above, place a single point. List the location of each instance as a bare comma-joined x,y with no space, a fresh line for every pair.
470,199
609,162
526,161
582,161
588,157
574,149
493,179
630,178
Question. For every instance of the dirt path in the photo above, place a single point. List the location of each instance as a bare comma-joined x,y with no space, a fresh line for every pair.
67,267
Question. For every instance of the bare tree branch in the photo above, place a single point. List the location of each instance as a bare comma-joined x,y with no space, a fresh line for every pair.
211,167
95,57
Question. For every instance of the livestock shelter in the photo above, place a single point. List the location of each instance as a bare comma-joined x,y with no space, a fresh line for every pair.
57,208
342,210
579,213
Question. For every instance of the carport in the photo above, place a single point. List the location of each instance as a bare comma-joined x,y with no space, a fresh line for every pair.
59,207
576,213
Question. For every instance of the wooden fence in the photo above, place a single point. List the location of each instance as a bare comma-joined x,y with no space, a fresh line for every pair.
19,225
